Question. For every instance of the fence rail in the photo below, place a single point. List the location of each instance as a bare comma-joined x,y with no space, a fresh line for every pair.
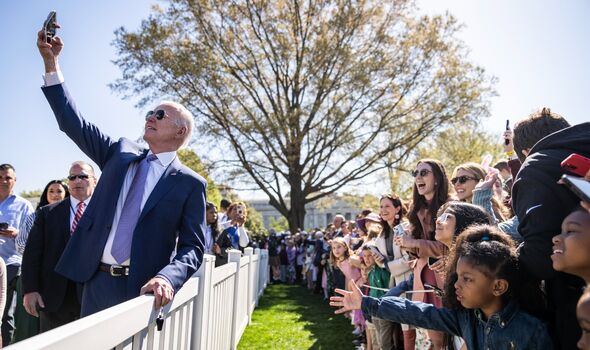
211,311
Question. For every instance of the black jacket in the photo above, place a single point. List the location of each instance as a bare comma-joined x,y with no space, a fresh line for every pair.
539,201
541,204
47,240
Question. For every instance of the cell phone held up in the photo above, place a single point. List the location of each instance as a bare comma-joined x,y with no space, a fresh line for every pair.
577,185
576,164
50,26
432,260
507,141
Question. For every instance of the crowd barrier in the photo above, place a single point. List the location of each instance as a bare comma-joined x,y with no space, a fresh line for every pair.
211,311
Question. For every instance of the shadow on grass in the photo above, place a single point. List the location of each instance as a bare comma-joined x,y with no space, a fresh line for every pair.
300,320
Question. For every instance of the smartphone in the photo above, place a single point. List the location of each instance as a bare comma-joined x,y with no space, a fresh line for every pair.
375,251
4,225
49,26
432,260
577,164
507,141
399,230
577,185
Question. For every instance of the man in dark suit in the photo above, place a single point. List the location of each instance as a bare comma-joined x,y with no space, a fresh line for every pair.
43,288
143,232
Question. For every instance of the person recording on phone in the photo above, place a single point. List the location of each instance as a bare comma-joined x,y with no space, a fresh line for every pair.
234,227
14,211
143,231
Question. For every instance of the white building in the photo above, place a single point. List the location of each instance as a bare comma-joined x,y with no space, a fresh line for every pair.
318,214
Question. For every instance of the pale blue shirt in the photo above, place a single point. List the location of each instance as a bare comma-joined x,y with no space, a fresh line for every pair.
14,210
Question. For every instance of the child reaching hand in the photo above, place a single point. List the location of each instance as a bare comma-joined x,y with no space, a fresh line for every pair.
489,292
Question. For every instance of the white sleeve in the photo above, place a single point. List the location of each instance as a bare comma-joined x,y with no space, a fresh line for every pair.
53,78
244,239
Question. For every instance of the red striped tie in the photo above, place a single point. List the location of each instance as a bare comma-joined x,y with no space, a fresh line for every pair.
77,217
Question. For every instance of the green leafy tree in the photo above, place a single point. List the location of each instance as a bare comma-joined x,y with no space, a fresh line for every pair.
254,222
297,90
191,160
279,225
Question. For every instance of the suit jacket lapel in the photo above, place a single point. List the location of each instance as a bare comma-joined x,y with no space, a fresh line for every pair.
165,184
63,224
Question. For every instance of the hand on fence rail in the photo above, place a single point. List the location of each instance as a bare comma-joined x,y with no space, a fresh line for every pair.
161,289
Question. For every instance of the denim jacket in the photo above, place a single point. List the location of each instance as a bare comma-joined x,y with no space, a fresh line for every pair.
510,328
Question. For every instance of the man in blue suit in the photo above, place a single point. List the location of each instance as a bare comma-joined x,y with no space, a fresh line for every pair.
143,231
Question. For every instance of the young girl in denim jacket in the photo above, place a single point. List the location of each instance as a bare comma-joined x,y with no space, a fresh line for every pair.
492,308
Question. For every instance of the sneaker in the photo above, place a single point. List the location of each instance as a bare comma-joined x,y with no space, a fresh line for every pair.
356,332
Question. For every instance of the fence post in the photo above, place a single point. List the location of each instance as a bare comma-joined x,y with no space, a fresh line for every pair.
201,310
235,256
257,279
249,252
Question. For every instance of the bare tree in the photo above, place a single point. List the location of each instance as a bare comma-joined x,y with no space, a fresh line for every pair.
309,95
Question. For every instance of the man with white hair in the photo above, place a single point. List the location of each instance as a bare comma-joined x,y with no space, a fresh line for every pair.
143,231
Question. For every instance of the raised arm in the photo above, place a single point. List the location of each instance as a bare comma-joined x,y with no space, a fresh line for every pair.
86,135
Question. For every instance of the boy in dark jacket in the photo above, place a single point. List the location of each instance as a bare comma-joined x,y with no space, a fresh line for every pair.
542,141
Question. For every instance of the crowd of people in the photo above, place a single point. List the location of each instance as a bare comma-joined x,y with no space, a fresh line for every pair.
490,257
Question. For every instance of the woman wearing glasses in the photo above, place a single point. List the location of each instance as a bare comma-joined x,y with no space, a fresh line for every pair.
431,191
473,186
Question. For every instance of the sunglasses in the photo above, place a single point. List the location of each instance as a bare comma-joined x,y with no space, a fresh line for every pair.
462,179
422,172
443,217
79,176
159,114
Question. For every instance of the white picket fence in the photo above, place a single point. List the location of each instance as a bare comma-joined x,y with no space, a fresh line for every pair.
211,311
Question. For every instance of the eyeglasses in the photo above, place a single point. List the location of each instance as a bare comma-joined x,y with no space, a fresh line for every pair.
79,176
422,172
160,114
462,179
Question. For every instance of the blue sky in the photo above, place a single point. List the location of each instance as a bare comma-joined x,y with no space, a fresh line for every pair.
539,51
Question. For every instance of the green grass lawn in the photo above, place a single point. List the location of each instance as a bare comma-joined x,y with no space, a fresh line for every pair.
291,317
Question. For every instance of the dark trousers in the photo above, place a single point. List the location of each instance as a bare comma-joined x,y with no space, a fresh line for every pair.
68,312
103,291
8,326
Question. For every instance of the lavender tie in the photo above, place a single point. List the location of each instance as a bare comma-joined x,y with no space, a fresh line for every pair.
121,249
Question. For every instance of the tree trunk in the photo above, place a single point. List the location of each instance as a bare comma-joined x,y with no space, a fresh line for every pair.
297,211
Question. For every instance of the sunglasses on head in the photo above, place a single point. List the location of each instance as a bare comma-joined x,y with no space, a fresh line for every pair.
79,176
462,179
443,217
159,114
422,172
